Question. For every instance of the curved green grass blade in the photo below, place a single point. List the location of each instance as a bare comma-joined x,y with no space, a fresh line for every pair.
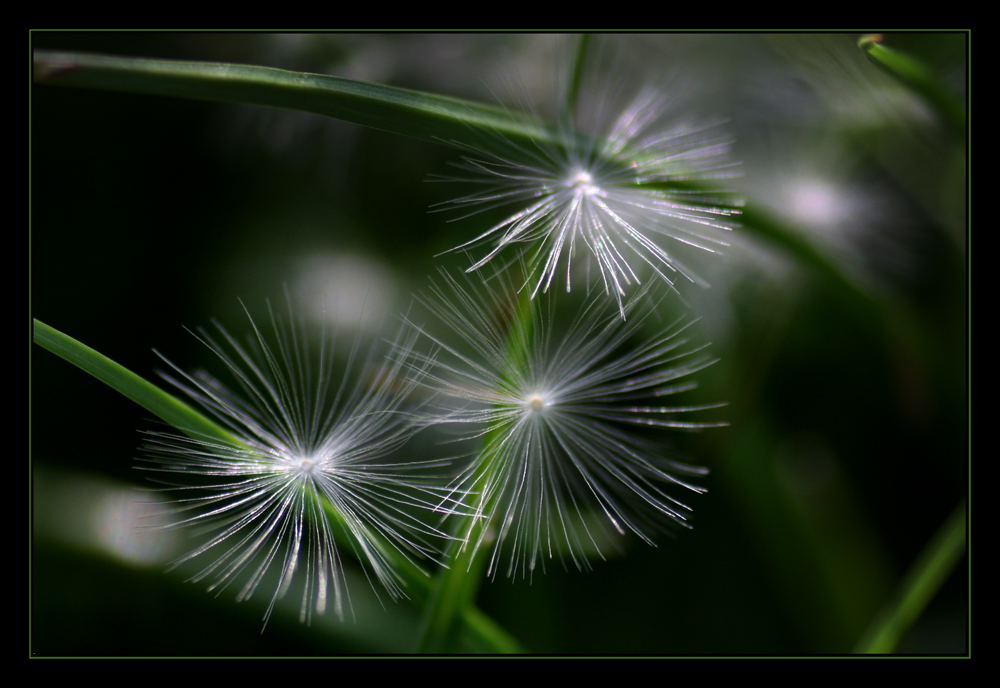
412,113
165,406
918,588
917,77
792,243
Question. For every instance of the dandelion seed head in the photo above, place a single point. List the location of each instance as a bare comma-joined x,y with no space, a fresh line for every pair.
308,471
627,199
555,407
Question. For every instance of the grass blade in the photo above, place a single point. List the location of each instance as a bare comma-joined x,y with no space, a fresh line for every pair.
165,406
402,111
918,587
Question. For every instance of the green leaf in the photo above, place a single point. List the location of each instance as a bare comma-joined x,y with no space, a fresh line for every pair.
147,395
440,119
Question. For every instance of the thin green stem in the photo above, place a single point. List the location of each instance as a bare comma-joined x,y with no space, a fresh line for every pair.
455,588
457,585
576,78
473,629
918,587
761,225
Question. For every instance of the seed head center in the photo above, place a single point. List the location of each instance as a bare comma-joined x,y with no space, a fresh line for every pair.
536,403
304,466
581,182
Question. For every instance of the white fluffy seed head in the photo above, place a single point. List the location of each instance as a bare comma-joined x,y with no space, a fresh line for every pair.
555,410
628,197
312,451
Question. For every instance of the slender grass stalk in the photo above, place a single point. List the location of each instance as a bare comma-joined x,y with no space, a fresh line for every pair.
470,627
576,77
776,234
918,586
456,586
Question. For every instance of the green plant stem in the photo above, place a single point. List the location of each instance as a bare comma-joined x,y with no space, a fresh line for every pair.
792,243
456,586
576,78
475,629
918,587
773,232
